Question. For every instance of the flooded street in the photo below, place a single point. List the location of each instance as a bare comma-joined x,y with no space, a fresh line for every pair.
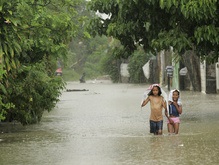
105,125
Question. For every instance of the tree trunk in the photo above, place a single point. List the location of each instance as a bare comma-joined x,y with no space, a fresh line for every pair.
192,62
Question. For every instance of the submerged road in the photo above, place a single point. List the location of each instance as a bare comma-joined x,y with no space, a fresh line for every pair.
102,123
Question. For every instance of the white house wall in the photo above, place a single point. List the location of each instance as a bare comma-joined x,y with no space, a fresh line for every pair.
217,76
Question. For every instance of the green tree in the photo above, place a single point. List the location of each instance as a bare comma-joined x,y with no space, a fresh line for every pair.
159,24
85,52
186,25
113,59
99,48
33,35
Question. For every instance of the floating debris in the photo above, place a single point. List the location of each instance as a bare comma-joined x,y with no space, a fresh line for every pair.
76,90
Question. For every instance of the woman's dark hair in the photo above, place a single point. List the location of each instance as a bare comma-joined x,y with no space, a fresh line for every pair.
151,92
176,91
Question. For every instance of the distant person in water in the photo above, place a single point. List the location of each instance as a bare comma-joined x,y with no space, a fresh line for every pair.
157,104
175,109
82,79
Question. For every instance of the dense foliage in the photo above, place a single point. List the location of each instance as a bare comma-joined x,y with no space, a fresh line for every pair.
111,61
136,62
85,56
159,24
33,35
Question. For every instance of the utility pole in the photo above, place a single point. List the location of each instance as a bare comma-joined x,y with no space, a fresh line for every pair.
169,71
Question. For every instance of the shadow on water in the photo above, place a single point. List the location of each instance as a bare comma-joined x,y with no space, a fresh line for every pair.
105,125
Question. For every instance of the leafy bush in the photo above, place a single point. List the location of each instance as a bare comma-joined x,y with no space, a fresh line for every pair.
3,106
31,92
32,32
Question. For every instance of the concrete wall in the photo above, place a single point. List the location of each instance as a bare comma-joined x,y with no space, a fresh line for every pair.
124,73
203,76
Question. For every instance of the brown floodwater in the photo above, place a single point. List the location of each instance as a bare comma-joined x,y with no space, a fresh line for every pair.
105,125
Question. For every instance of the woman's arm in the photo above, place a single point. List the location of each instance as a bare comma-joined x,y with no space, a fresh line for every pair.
178,107
145,101
165,107
166,113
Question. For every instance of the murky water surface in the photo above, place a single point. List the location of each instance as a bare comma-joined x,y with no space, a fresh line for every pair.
106,125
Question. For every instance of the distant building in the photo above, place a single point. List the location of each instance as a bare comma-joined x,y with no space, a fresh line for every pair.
201,76
209,77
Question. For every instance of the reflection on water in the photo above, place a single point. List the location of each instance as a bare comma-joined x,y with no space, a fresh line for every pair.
106,125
